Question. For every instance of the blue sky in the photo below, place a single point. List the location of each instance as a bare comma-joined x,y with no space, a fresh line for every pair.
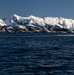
41,8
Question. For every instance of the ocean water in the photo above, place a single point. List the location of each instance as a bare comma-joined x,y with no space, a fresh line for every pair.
36,54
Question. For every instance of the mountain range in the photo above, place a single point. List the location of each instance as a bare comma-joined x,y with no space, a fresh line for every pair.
36,24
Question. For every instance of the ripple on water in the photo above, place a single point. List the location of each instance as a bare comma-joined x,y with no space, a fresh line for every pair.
25,54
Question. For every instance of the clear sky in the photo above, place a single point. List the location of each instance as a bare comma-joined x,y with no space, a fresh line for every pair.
41,8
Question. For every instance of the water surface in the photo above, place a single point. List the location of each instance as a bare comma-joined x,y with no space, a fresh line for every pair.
36,54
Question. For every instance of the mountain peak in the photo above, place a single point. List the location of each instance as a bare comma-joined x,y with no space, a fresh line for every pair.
38,21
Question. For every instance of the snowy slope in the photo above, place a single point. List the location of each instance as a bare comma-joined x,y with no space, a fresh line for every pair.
37,21
2,23
30,20
61,22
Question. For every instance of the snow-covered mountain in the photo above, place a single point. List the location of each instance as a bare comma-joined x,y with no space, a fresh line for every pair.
33,23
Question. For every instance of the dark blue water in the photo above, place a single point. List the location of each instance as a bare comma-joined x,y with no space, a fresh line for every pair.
36,54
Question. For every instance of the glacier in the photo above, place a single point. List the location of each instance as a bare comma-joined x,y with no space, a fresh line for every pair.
36,24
